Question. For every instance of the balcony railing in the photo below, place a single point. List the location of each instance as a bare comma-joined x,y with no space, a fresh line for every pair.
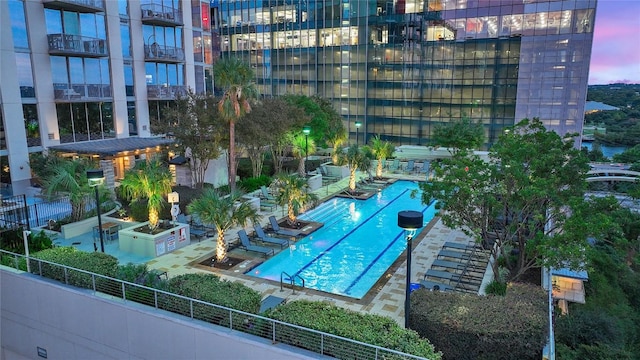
161,15
63,44
81,92
169,92
238,322
83,6
163,53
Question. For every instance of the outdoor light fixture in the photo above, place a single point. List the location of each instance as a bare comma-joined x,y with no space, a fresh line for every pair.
174,200
358,124
306,131
95,179
410,221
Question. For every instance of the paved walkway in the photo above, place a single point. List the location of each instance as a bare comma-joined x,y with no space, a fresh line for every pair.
388,295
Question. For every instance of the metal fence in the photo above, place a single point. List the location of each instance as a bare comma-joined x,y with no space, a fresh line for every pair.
277,331
15,211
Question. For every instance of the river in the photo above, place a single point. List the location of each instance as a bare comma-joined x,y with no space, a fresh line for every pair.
607,150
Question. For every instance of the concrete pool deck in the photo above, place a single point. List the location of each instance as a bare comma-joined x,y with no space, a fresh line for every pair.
386,298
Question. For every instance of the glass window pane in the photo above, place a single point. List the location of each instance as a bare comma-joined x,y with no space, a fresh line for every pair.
53,21
206,24
88,25
122,7
59,70
80,128
107,120
25,75
71,25
65,125
76,70
126,40
18,24
32,125
128,79
172,74
195,13
150,69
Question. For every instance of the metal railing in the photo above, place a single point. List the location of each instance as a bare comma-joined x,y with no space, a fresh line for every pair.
236,320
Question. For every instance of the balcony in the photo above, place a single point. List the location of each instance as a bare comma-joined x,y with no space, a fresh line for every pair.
81,92
82,6
163,53
169,92
62,44
155,14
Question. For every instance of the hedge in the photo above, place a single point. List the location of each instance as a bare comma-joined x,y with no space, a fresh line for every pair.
96,262
466,326
211,289
368,328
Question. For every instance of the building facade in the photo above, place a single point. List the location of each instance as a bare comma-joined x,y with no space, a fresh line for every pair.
401,67
82,70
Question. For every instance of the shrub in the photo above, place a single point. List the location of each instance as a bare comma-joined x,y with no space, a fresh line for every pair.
210,288
496,287
254,183
368,328
96,262
139,274
589,327
465,326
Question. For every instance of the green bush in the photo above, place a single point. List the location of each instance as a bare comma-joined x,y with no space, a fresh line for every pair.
465,326
496,287
140,274
368,328
96,262
211,289
588,327
254,183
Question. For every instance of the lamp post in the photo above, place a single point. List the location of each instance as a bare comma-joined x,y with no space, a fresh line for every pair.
410,221
358,124
95,179
306,131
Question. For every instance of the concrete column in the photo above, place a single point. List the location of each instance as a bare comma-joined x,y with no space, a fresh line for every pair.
120,114
15,134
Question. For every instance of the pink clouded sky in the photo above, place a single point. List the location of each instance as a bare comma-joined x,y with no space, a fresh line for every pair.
616,43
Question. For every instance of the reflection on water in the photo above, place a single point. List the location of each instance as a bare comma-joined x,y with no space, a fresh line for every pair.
607,151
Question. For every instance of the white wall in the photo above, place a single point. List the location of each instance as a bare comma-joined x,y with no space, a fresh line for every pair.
71,323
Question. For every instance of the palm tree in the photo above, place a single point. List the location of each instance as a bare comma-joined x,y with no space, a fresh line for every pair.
381,150
223,213
293,191
149,180
70,177
236,77
299,150
356,158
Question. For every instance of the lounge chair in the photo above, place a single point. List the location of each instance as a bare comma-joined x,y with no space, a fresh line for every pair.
264,194
326,178
454,255
267,239
246,245
434,286
443,275
411,166
394,165
280,231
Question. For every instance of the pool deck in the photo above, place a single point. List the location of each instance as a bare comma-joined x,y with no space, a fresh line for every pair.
387,297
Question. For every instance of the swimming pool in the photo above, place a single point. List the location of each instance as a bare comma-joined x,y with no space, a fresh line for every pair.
359,241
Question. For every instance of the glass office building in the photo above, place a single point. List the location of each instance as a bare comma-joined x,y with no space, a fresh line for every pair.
400,67
81,70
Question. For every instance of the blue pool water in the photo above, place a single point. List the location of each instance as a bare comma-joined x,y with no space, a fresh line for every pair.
359,241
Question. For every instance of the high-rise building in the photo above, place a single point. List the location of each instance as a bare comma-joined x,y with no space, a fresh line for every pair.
401,67
81,70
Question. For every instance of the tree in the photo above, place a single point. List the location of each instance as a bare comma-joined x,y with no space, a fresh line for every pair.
529,197
326,124
293,190
299,148
266,127
194,123
381,150
355,158
236,77
224,212
150,180
459,134
70,177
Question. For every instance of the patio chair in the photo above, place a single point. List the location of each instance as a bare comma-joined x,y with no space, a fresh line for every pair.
267,239
247,246
326,178
394,166
411,166
434,286
264,194
280,231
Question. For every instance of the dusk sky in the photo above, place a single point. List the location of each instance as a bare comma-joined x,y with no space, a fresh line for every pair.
616,43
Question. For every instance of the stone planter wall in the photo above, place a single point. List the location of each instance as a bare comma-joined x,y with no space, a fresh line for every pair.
154,245
315,182
339,171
